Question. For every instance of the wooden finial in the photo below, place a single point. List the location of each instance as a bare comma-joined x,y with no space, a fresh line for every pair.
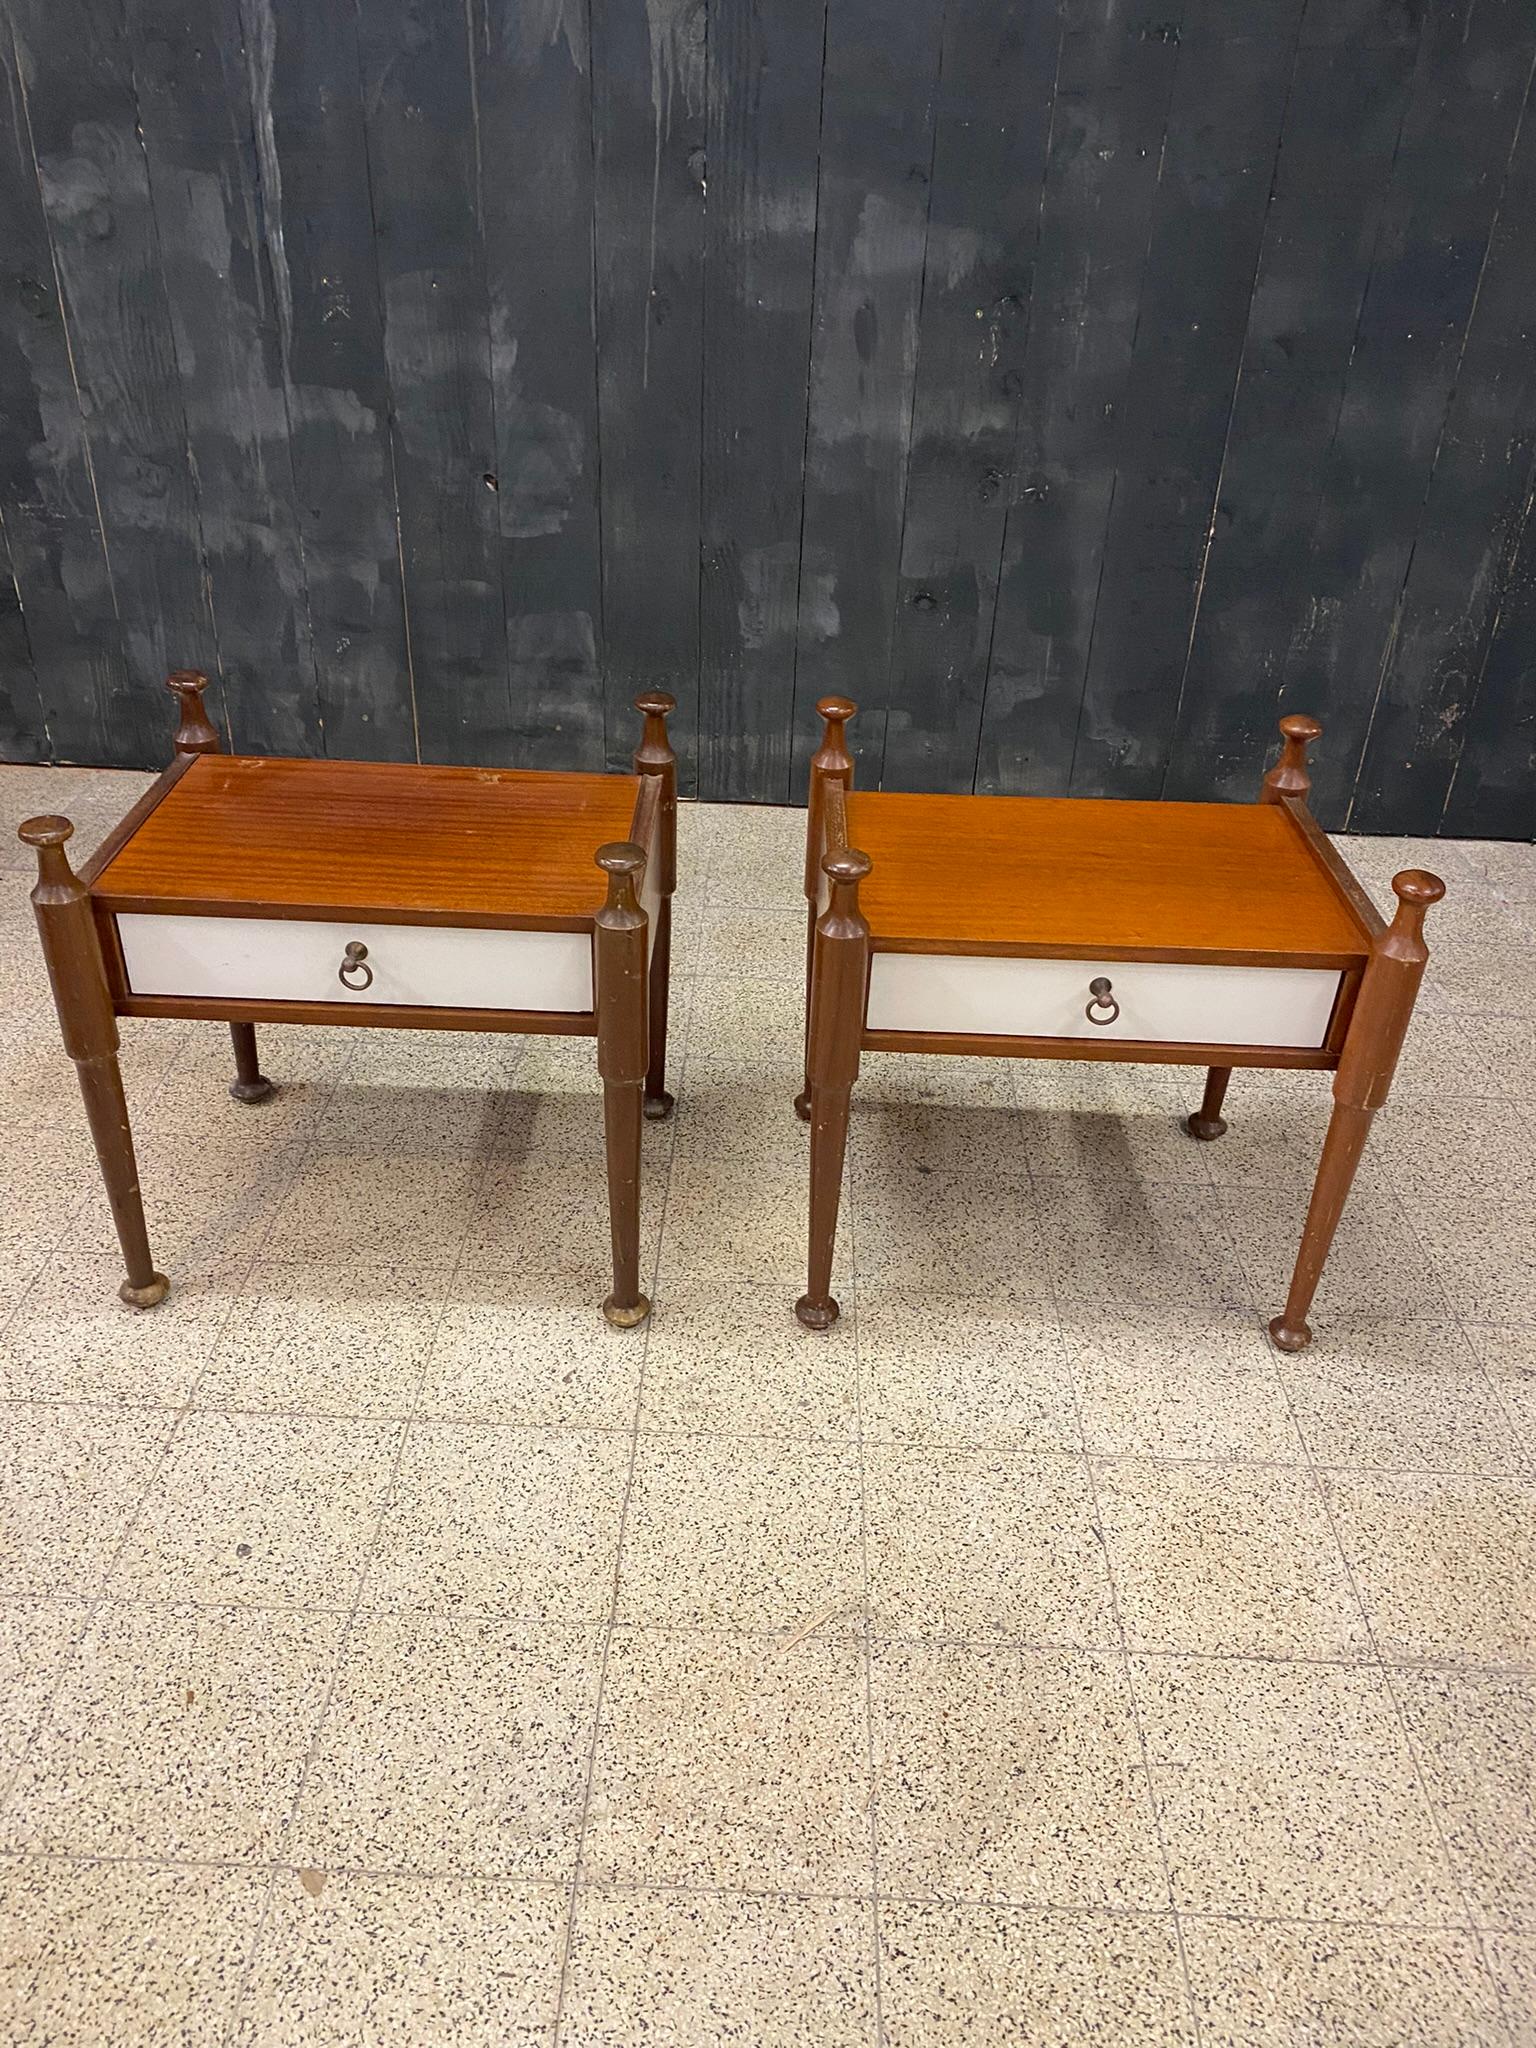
832,756
654,753
1289,775
623,863
1415,889
48,835
195,734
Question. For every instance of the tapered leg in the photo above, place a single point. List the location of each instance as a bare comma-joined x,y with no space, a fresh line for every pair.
67,927
1207,1121
250,1083
1348,1129
658,1103
817,1308
622,1002
803,1099
837,1026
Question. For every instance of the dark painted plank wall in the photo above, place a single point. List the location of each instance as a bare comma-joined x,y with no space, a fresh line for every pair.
1077,385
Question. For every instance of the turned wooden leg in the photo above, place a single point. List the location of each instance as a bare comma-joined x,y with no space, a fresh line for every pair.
837,1025
619,951
803,1099
654,756
250,1083
1348,1129
1207,1121
67,928
1377,1027
658,1103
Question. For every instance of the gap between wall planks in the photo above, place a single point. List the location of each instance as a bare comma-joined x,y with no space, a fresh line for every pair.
1079,386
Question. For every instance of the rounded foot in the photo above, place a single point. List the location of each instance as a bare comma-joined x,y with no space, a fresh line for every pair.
157,1289
1205,1127
1289,1336
817,1315
659,1107
251,1091
626,1318
803,1105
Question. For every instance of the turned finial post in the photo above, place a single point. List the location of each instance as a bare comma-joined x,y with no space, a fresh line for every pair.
195,734
619,948
832,1066
1290,776
831,762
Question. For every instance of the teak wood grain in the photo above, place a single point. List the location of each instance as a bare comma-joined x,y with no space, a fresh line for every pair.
237,836
1101,879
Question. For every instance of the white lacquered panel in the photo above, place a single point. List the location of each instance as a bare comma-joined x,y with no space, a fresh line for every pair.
292,960
1164,1001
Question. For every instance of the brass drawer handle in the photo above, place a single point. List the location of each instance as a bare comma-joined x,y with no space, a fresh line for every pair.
356,962
1101,997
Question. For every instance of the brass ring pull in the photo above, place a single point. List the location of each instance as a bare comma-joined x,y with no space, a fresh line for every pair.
356,962
1101,997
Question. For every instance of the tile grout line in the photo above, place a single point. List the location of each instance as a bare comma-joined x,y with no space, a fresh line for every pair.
96,1601
574,1884
344,1634
1127,1678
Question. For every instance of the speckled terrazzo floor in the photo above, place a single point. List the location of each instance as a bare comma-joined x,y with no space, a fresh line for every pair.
391,1653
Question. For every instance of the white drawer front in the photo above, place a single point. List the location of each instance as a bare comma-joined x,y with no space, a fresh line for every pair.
1166,1001
295,961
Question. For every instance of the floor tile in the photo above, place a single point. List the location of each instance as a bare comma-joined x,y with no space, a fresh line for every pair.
1373,1987
272,1509
124,1955
178,1731
1289,1790
1508,1355
732,1115
75,1340
1501,1054
1276,1123
1444,1148
731,1760
1475,1737
729,1359
452,1747
556,1361
919,1229
1446,1567
346,1338
70,1480
953,1976
1179,1384
1227,1560
747,1019
1146,1246
953,1369
1011,1776
723,1223
548,1222
1376,1268
494,1520
1512,1958
680,1967
1400,1396
1483,1256
408,1960
340,1204
985,1546
1139,1141
984,1141
736,1532
754,944
36,1638
432,1126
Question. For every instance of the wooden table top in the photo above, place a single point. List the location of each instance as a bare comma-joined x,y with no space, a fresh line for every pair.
250,835
1099,878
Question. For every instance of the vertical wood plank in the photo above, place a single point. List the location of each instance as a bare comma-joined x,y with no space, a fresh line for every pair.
23,729
314,172
1234,76
531,76
200,154
1490,796
1108,127
47,495
764,110
1468,87
648,102
1469,533
996,97
82,114
1321,236
876,156
420,121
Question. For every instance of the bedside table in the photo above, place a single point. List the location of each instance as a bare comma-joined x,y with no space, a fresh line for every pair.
1213,935
347,892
